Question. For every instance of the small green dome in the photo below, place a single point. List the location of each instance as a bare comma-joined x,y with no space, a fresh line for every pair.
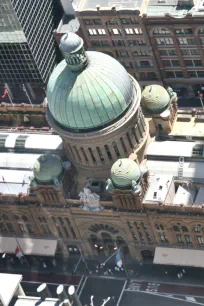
47,168
155,99
124,171
88,90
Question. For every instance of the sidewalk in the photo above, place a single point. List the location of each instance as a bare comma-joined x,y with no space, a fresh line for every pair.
145,272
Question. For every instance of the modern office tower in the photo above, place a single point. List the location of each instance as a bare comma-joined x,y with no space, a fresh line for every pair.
28,51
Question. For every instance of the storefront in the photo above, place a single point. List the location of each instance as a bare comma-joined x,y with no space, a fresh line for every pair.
179,257
28,246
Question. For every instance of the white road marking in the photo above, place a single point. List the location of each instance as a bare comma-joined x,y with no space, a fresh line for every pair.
82,287
173,298
82,278
121,294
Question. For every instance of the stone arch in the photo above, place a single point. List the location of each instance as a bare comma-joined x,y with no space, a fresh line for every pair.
104,234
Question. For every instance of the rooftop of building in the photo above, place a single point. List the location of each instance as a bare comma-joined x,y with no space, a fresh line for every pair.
69,23
189,123
9,284
107,4
165,190
174,8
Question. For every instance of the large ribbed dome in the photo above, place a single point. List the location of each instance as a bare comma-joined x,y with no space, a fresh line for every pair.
155,99
90,98
47,168
124,171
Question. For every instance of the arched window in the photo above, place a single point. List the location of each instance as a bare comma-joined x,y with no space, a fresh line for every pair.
25,219
176,228
106,238
201,31
184,229
93,239
120,241
161,31
197,229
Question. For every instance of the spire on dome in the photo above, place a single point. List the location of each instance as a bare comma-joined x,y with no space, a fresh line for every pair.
72,47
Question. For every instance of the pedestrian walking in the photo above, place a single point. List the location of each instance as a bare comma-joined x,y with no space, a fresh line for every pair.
113,298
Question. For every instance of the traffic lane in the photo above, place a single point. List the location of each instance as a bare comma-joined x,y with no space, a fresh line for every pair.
148,299
101,288
30,289
154,287
51,278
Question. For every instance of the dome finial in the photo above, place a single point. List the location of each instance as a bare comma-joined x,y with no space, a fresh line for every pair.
72,47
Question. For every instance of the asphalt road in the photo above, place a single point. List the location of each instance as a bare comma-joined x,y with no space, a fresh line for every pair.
152,299
121,292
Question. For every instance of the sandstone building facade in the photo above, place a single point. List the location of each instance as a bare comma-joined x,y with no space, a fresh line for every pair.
152,196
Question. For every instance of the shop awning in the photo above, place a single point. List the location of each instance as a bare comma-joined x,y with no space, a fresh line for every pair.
29,246
179,257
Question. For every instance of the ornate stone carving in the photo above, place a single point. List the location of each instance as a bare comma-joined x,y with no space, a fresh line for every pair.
90,200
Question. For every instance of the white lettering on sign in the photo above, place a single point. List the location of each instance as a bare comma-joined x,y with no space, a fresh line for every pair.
152,287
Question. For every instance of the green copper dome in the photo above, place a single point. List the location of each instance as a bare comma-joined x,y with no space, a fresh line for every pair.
88,90
155,99
47,168
124,171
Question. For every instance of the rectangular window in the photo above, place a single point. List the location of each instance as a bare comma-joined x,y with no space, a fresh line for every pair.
197,63
194,52
144,64
179,238
192,74
118,43
123,53
200,239
185,52
188,239
92,32
125,20
10,227
186,41
185,31
163,52
105,43
188,63
144,76
97,21
22,228
30,229
178,74
101,32
164,41
200,74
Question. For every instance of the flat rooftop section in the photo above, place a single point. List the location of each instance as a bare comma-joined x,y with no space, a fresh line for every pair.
31,141
17,161
8,285
119,4
191,170
193,127
172,7
158,188
69,23
170,148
